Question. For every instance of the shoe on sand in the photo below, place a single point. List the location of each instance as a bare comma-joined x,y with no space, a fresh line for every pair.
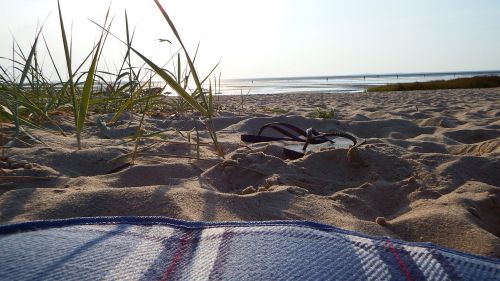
312,140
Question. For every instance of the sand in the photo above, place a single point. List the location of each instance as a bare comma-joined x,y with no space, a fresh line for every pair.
431,168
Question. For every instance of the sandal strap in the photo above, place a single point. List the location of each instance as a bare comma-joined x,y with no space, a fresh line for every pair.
285,129
255,139
275,125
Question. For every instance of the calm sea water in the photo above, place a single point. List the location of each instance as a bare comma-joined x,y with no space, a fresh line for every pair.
332,84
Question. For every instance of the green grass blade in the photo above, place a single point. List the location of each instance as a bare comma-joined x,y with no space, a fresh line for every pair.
27,65
24,74
179,68
190,62
87,90
210,100
173,84
89,83
67,55
65,45
51,58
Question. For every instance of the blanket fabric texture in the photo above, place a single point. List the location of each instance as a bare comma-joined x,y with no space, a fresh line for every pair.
157,248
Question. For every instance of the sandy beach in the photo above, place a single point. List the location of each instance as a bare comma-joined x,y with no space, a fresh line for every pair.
429,171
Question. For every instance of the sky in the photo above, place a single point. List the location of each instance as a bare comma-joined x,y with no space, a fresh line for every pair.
274,38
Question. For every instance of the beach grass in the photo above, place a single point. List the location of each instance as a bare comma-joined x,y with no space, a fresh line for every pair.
459,83
29,99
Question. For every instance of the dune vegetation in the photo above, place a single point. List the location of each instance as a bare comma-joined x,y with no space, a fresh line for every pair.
459,83
29,99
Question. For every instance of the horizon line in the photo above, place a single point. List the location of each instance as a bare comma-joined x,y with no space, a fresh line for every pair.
372,75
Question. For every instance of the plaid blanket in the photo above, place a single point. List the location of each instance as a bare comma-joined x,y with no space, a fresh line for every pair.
155,248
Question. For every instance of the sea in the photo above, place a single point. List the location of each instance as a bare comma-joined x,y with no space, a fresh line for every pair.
333,84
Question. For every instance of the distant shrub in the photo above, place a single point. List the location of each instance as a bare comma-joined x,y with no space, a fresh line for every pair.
459,83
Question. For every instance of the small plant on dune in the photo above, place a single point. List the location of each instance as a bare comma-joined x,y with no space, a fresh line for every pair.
139,132
323,114
241,105
26,100
178,105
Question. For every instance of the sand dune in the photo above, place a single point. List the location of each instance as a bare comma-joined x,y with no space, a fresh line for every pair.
431,169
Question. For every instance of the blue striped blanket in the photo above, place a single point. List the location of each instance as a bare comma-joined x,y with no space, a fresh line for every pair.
156,248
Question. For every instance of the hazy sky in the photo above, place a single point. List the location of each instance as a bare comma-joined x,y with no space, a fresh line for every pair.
274,38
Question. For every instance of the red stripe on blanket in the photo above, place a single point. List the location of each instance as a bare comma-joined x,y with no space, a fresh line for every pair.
401,263
186,238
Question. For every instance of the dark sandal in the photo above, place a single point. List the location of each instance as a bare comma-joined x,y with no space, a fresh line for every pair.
311,138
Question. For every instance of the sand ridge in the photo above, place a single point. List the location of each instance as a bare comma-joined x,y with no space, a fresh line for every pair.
432,168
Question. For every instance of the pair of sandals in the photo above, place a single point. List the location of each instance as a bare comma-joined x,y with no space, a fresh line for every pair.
312,140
